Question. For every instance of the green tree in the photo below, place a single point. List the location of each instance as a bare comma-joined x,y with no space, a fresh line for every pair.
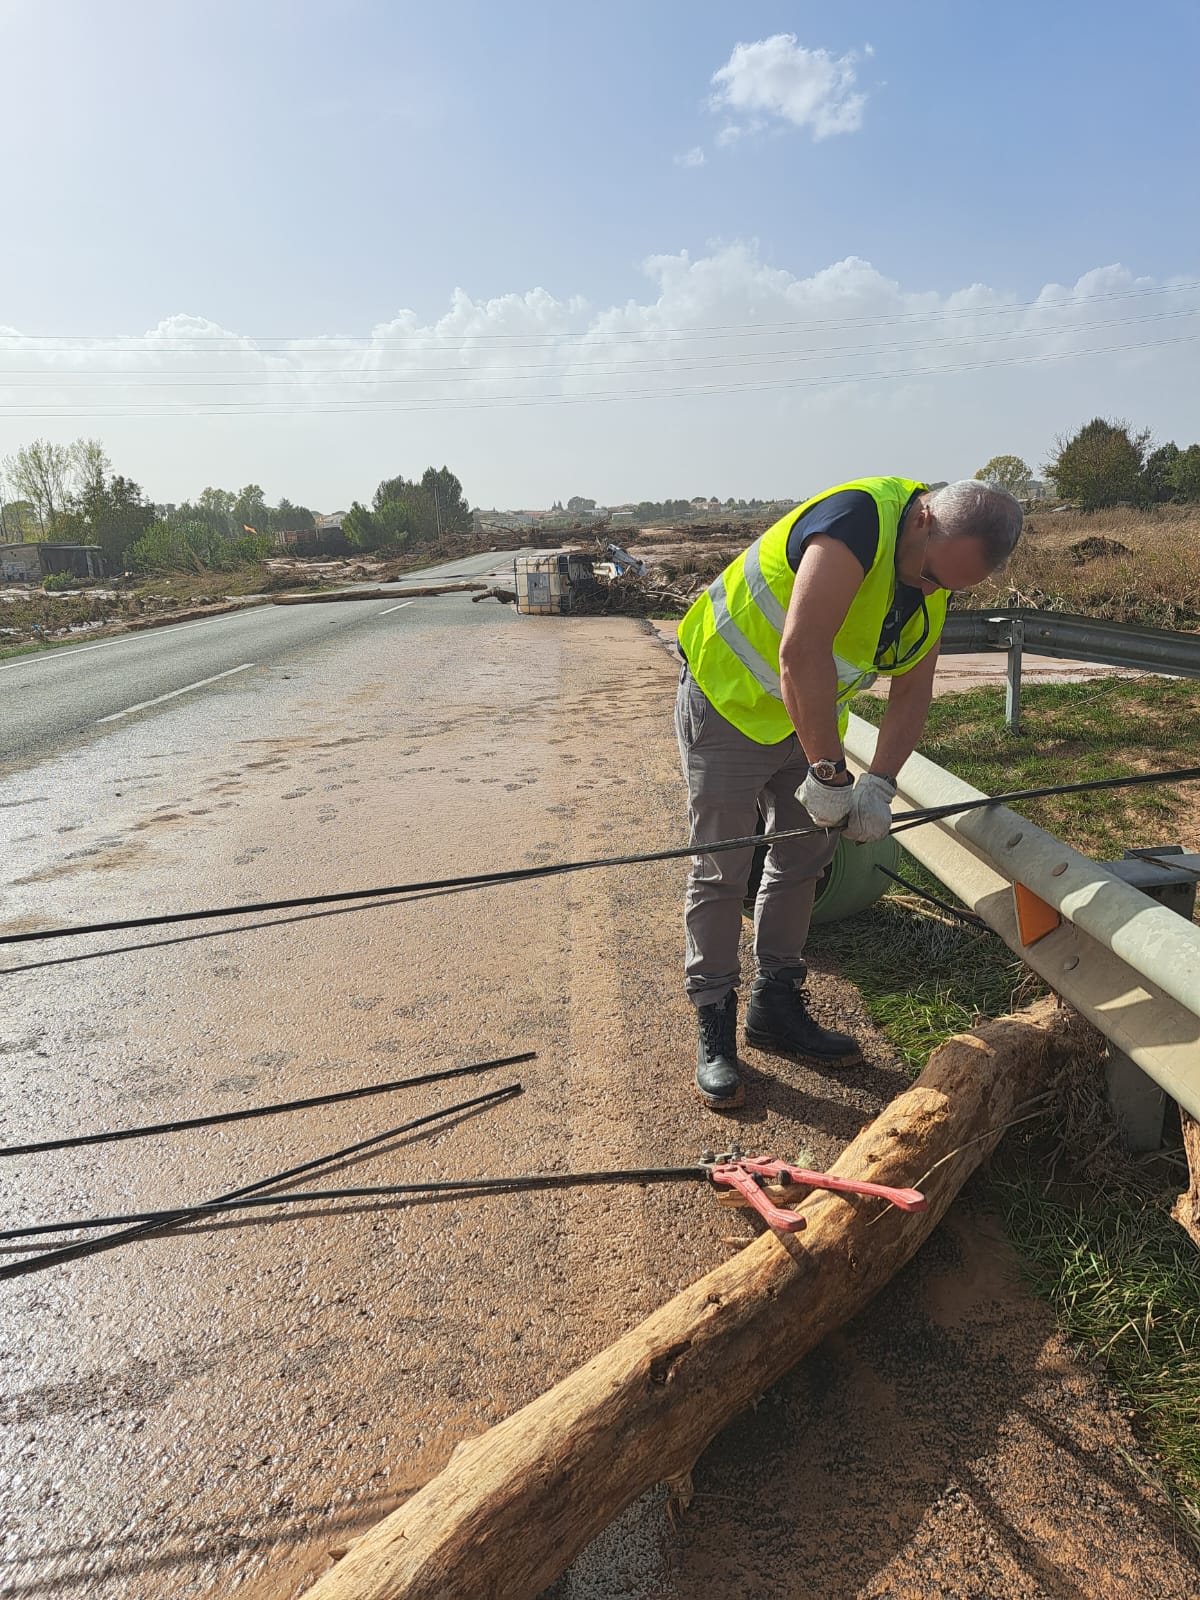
406,512
41,473
1158,472
1006,472
216,506
113,514
285,517
359,527
409,516
250,510
1185,474
579,502
1101,465
453,512
19,522
89,468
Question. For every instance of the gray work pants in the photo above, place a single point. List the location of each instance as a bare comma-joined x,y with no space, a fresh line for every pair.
730,779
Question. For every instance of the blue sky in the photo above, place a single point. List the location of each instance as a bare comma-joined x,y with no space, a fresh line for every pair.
306,170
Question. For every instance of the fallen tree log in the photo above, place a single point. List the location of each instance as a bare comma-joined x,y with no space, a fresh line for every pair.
1186,1209
514,1506
308,599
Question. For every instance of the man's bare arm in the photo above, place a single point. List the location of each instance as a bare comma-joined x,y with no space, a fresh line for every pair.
829,577
903,723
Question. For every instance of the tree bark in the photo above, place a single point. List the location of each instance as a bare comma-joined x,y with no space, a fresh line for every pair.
1186,1209
514,1506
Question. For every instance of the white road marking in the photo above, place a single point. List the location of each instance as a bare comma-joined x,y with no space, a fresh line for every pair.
390,609
133,638
187,688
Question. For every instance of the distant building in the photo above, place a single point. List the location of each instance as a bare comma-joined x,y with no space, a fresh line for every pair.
20,563
31,562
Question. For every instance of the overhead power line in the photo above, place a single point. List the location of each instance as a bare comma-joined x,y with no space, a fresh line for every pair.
222,408
692,361
530,340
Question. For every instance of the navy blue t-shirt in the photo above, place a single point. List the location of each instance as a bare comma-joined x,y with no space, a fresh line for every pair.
852,517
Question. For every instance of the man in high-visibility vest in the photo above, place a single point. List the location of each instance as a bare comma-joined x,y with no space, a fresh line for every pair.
851,585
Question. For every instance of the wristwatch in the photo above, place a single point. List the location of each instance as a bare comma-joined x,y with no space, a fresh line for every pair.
827,771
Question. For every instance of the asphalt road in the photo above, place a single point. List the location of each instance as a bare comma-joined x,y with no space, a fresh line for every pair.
212,1411
61,698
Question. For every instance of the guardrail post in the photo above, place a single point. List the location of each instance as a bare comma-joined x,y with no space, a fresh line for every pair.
1138,1104
1012,677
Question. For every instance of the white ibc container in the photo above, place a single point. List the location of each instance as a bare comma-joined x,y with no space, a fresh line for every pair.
546,585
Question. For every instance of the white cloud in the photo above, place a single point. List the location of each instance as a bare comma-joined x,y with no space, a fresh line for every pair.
779,78
691,158
726,375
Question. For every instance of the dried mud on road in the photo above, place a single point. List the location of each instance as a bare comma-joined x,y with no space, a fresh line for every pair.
214,1411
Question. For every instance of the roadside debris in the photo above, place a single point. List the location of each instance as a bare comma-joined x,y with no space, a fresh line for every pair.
650,594
609,581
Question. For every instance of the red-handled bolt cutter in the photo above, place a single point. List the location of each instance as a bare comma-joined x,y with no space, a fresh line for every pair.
732,1170
747,1174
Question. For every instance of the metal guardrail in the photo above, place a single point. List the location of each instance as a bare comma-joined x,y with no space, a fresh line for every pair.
1072,638
1067,637
1128,963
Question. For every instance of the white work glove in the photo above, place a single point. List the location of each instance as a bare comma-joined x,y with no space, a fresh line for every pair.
870,814
828,804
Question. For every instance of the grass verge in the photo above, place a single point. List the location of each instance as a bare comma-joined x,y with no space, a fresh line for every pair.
1122,1278
1095,1235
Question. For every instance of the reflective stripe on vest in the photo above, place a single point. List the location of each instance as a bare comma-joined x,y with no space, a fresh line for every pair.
764,674
761,591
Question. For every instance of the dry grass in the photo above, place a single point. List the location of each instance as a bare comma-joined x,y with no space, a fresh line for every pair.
1149,573
1124,565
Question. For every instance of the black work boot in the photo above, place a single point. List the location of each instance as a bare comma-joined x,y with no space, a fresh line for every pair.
717,1081
778,1021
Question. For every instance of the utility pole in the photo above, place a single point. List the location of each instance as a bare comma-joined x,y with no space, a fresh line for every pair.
437,512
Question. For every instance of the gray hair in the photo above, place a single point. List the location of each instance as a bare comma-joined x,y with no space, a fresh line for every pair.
973,510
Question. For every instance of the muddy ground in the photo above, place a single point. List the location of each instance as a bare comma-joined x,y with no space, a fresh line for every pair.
212,1411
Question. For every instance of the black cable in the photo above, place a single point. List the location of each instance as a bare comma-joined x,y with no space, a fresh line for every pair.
905,819
236,344
264,1111
91,1247
212,933
469,1187
404,890
971,917
915,819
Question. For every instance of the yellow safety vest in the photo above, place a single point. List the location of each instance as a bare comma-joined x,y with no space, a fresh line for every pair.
731,634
